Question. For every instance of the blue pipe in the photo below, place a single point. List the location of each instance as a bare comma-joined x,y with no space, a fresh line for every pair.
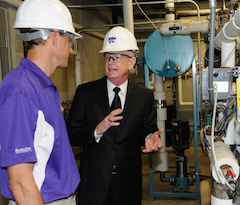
163,178
195,127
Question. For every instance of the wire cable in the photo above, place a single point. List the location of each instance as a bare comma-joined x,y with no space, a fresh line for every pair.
227,111
168,66
216,165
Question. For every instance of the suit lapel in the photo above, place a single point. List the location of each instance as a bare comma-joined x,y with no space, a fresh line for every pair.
102,95
130,99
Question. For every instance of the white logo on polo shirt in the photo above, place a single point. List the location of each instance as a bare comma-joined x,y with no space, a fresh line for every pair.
23,150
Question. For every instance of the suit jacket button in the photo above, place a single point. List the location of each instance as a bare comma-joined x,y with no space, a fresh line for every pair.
116,146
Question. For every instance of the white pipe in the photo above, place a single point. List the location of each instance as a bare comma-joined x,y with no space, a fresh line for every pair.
15,3
229,32
128,15
180,93
221,153
77,68
161,156
224,156
228,54
92,33
169,5
184,27
170,17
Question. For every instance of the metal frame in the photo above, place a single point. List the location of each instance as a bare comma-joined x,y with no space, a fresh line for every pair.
176,194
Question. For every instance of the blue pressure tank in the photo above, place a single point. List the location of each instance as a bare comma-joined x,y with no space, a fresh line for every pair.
178,54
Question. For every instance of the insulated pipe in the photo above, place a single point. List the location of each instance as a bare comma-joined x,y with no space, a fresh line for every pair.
225,40
94,34
184,27
161,158
224,157
77,68
212,5
128,15
170,6
228,54
229,32
128,19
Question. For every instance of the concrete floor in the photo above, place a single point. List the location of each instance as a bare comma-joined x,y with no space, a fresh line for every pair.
159,186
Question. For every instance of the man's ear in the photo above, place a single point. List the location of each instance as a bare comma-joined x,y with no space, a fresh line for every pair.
53,36
132,62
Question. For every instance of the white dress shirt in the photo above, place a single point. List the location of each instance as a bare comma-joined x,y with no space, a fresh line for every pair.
122,94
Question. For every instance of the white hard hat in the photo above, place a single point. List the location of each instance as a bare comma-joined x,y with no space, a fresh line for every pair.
44,14
119,39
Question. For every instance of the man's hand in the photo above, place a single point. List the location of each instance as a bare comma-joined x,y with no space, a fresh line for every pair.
110,120
153,143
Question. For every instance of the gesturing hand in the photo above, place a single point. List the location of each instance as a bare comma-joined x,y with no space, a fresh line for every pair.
153,143
110,120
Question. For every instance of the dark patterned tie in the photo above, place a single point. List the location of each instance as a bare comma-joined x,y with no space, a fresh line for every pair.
116,103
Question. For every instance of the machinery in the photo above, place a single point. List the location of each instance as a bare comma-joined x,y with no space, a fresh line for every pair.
218,88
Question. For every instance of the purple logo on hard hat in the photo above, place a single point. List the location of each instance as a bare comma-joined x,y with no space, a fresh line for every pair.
111,40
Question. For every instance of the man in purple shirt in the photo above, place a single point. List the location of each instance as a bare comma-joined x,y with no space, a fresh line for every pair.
37,165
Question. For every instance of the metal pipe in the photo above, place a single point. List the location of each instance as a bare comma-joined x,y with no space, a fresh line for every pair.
134,4
77,68
111,5
212,5
163,178
187,12
195,128
128,15
95,34
101,28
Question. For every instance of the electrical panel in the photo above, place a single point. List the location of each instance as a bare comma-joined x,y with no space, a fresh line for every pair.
223,78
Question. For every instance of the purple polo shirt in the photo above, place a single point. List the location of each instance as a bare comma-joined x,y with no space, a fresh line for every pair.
32,129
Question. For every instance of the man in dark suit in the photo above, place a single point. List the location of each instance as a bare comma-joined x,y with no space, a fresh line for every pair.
110,166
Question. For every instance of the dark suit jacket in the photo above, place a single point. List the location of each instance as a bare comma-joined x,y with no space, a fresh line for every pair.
90,106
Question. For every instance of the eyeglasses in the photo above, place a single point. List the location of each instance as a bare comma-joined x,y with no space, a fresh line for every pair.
115,56
69,36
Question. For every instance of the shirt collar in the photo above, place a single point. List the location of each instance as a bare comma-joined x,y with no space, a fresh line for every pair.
123,87
40,75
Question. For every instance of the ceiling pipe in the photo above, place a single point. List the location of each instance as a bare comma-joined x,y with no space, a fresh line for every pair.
169,2
203,12
91,28
128,15
95,34
134,4
225,40
184,27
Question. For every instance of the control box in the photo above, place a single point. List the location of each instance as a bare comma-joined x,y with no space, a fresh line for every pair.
223,78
